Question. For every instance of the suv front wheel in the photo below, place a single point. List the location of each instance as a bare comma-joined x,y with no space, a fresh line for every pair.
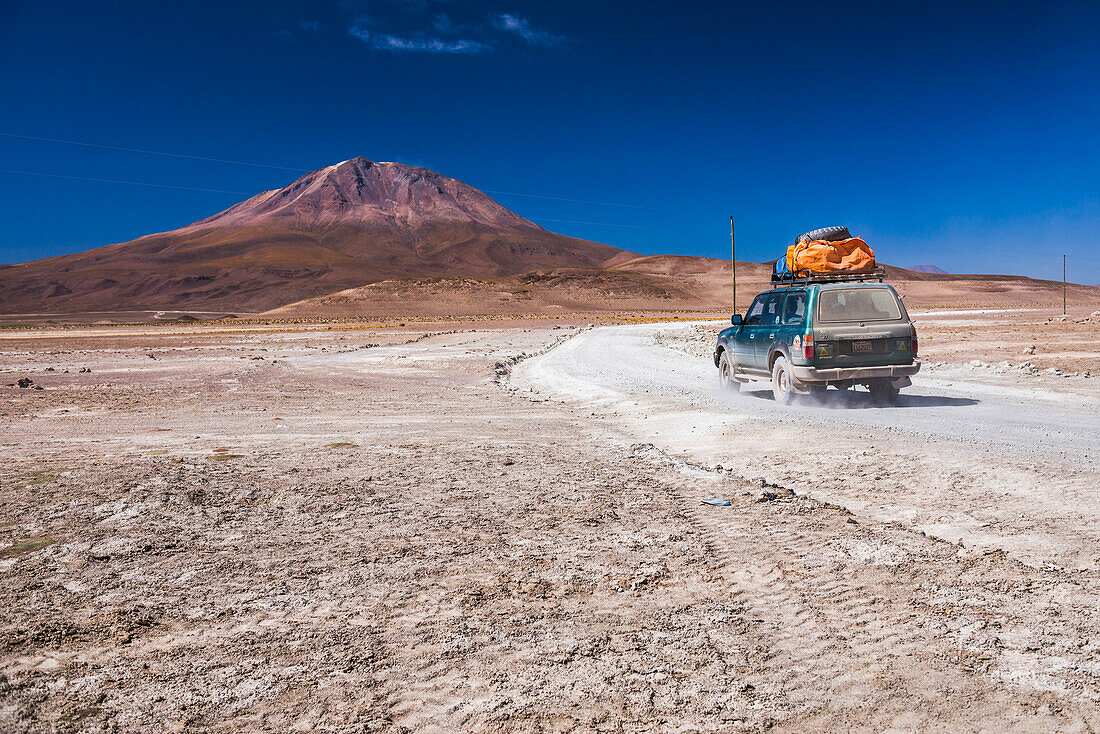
725,373
781,381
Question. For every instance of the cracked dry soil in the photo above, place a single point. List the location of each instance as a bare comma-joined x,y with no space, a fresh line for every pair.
370,533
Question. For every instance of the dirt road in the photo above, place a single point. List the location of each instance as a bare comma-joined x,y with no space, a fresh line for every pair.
1020,455
354,530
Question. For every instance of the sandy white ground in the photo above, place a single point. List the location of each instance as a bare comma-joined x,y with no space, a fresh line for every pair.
278,529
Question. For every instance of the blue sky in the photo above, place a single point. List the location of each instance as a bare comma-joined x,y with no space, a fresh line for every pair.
958,134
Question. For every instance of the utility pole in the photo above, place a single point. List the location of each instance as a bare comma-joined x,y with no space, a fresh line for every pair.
1063,285
733,265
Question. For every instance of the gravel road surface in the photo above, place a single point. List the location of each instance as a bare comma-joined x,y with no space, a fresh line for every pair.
1004,460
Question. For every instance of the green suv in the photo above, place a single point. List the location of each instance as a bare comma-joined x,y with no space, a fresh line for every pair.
814,333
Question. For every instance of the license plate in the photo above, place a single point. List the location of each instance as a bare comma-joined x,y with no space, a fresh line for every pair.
863,347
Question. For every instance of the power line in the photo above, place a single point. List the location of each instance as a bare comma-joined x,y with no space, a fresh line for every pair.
247,193
152,152
584,201
1087,260
128,183
306,170
598,224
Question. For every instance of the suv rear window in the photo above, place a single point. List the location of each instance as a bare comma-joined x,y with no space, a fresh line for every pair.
794,309
858,304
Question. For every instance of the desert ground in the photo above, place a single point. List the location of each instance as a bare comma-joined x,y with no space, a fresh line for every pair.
496,525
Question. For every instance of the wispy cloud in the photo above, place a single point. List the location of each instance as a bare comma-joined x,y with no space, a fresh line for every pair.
522,28
416,44
420,26
387,42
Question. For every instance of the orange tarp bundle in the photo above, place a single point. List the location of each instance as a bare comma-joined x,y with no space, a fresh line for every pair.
819,256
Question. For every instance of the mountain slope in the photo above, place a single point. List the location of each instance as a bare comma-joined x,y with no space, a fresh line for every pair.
345,225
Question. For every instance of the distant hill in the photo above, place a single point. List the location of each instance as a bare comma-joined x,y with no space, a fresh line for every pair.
669,283
927,269
360,238
345,225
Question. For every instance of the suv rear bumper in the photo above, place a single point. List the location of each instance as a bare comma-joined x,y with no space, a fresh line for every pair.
811,374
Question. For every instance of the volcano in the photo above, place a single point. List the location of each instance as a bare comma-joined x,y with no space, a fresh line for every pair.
346,225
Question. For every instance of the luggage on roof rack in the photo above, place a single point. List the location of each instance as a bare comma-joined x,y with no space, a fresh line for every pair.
829,254
782,276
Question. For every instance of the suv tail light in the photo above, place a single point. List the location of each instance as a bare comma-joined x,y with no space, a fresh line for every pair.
808,345
914,352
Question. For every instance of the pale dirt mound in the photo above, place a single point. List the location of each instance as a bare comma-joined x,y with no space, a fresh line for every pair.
659,283
708,282
990,291
537,292
687,265
656,283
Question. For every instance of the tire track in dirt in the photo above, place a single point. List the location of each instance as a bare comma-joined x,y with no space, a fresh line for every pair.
848,642
429,677
879,618
421,683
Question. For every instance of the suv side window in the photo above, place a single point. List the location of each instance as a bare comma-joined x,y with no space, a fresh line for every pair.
794,309
752,318
772,305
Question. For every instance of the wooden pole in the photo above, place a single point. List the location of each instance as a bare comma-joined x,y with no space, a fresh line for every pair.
1063,285
733,265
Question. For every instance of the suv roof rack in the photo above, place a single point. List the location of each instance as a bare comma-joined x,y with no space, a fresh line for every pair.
805,277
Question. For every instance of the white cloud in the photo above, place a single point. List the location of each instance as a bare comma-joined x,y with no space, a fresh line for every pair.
387,42
416,44
413,35
522,28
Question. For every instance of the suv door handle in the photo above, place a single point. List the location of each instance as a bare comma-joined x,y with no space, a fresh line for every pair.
771,335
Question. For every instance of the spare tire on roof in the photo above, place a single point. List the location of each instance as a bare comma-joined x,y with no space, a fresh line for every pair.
825,234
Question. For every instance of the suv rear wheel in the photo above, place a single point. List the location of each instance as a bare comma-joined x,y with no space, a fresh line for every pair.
781,381
883,392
